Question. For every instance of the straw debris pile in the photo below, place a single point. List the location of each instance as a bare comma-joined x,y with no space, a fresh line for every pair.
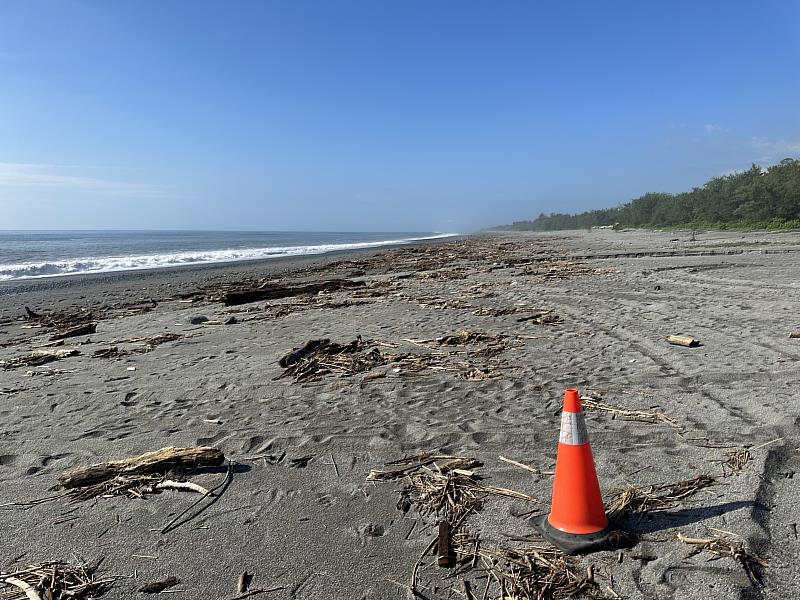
52,581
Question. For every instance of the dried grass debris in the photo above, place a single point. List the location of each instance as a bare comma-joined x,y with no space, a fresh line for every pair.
642,498
465,337
54,580
722,547
446,490
735,460
318,358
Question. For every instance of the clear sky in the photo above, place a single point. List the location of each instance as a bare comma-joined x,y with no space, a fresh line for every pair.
442,115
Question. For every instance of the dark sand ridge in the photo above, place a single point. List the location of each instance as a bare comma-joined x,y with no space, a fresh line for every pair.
323,531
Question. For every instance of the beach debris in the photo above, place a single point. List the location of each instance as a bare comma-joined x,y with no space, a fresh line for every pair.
60,320
110,352
321,357
259,591
296,355
85,329
722,547
300,463
442,485
156,587
683,340
524,466
541,317
444,547
447,488
272,291
593,403
464,337
418,364
160,461
735,460
29,314
52,580
197,319
642,498
532,572
147,344
243,582
794,335
370,375
197,507
38,357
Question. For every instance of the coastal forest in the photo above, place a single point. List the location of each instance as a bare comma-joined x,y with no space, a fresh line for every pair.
757,198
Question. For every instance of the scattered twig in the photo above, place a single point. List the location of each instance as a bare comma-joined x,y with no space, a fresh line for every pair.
720,546
656,496
630,415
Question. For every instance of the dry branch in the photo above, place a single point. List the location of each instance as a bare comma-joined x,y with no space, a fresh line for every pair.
630,415
719,546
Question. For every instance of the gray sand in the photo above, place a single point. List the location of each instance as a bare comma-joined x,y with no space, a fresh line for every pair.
323,531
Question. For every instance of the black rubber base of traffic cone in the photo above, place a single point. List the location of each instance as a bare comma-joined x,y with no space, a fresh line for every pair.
574,543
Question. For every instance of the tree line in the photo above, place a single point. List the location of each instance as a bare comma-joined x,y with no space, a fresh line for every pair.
755,198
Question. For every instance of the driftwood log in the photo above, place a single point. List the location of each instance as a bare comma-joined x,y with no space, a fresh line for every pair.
276,292
795,334
85,329
683,340
159,461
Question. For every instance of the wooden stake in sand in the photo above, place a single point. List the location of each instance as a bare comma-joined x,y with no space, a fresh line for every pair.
159,461
444,546
683,340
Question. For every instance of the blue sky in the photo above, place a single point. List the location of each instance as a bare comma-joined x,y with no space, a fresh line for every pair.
380,115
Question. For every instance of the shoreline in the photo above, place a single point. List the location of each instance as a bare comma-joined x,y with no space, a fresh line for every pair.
165,282
72,278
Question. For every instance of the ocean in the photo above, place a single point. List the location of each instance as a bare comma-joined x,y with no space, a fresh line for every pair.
30,254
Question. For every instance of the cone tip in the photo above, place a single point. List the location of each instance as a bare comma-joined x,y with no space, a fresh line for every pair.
572,401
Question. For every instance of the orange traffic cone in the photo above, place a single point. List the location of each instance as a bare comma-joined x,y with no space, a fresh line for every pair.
577,521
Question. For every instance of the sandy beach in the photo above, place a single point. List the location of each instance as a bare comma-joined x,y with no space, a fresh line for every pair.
547,311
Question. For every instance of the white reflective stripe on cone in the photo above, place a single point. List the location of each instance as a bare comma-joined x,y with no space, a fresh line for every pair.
573,429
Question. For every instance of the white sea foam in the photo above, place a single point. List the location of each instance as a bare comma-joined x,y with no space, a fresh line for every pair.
108,264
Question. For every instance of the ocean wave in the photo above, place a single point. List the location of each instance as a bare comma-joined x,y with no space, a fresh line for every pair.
107,264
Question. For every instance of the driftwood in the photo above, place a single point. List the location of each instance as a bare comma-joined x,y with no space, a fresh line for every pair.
85,329
39,357
159,461
275,292
795,334
683,340
157,587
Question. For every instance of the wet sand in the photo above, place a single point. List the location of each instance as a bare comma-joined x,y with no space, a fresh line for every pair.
322,530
